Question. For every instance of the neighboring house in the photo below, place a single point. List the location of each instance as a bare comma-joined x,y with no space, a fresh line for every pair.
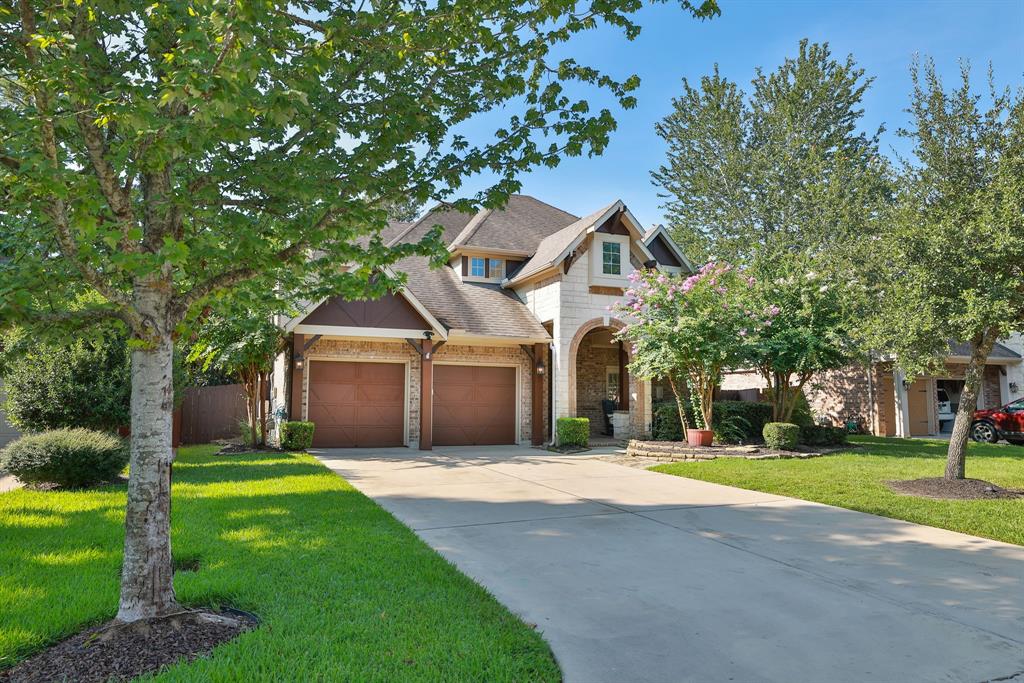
7,431
513,333
883,401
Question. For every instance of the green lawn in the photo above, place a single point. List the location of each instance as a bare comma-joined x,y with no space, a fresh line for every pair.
345,591
856,480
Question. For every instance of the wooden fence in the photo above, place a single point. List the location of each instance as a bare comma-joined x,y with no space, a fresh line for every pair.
209,413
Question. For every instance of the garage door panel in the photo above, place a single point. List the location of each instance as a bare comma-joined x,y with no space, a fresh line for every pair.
357,404
474,405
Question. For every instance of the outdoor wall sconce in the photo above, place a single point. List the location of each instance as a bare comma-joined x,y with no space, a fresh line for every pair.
299,361
540,367
1013,387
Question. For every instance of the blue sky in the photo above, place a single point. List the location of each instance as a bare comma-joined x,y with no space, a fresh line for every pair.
882,35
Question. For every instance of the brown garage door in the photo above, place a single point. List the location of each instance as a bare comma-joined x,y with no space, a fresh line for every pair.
357,405
474,405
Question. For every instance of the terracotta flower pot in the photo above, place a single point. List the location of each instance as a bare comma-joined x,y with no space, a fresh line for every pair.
699,437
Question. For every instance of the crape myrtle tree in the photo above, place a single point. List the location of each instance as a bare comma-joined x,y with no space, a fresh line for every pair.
778,181
161,154
949,263
688,330
242,344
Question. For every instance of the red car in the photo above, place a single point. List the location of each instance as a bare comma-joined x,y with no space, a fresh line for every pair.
994,424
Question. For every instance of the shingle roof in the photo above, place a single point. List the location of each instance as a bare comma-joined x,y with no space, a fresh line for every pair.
998,351
551,247
520,226
484,309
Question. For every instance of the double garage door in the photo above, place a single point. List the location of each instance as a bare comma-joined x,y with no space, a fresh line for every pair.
357,405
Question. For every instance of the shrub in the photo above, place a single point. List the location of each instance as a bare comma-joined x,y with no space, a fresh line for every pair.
86,383
734,421
731,429
802,415
573,431
296,436
755,414
665,422
819,435
69,457
781,435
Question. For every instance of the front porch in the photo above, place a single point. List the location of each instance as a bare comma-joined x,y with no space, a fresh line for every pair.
599,386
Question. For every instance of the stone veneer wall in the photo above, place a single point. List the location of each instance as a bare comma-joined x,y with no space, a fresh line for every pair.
373,350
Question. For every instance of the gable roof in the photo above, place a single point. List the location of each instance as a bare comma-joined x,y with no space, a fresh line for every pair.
474,308
660,234
520,226
553,249
999,352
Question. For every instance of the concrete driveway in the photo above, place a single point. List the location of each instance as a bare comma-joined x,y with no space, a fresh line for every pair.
637,576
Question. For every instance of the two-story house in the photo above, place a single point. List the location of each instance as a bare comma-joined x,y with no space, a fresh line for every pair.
513,333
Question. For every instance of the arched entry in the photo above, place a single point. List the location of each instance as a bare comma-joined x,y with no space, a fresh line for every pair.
598,372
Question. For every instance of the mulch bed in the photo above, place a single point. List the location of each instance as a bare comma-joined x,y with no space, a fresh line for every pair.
953,489
120,653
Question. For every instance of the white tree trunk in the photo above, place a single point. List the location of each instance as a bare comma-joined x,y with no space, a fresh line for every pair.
147,587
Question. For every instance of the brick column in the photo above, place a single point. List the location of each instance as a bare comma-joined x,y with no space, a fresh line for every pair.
537,394
427,396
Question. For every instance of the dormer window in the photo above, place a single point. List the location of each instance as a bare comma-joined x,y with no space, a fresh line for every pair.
611,258
496,269
483,269
476,267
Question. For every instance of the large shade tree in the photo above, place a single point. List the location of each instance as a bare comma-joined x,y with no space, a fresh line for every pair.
778,181
949,263
164,153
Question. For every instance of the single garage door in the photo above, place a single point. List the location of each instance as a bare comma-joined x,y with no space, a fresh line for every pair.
357,405
474,405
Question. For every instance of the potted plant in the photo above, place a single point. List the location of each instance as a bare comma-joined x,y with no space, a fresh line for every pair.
687,330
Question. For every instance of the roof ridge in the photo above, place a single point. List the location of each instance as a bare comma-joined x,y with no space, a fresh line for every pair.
471,227
541,201
395,240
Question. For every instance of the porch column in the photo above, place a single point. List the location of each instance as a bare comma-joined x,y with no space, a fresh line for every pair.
902,404
537,394
298,367
623,380
427,396
1004,385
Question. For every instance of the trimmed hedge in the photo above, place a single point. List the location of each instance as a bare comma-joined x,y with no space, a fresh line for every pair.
748,417
819,435
573,431
781,435
69,457
296,436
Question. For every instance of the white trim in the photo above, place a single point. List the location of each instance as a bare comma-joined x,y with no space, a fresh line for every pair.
461,337
308,370
491,364
661,230
989,361
374,332
466,250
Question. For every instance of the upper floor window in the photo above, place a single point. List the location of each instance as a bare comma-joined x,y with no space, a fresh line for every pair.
611,258
496,269
476,266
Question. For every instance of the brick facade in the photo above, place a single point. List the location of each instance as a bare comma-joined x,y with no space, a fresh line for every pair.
837,394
